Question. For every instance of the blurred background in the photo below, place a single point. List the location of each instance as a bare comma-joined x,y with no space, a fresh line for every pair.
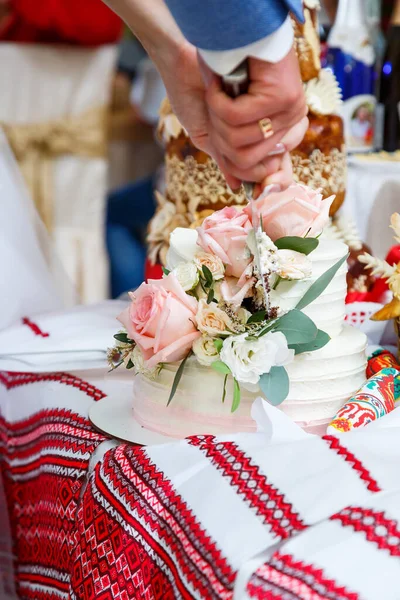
79,107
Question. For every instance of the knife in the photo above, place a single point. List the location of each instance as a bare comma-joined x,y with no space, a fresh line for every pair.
234,84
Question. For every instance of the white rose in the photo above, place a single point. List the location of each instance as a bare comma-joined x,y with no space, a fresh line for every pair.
249,359
205,351
182,246
187,275
212,320
293,265
139,362
214,263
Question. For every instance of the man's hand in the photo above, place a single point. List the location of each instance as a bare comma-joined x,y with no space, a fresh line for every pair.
227,129
276,92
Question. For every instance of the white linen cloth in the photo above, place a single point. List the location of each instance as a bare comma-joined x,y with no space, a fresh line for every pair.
372,196
77,339
27,284
323,507
51,82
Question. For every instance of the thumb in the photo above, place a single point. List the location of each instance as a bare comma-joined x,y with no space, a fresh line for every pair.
207,74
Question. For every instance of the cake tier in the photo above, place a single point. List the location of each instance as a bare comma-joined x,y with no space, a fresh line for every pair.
320,383
328,310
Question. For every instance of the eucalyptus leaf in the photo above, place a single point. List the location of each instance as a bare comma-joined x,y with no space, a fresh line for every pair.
207,275
123,337
296,327
218,344
298,244
257,317
275,385
320,285
236,396
165,271
224,389
221,367
320,341
177,378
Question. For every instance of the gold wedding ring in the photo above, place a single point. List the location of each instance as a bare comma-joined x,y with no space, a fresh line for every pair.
266,127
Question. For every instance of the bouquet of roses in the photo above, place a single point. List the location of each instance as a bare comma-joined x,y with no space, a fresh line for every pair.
210,303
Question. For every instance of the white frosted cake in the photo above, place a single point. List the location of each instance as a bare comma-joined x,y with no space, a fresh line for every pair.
320,381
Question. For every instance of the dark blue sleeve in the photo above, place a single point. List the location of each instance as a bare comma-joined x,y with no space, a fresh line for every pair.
228,24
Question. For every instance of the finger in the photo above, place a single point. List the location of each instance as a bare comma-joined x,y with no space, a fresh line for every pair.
257,173
249,156
203,142
250,107
295,135
283,177
233,182
238,136
246,157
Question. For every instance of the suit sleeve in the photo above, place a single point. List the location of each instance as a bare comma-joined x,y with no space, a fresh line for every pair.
221,25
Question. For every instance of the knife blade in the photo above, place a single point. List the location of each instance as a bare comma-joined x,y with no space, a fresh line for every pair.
234,84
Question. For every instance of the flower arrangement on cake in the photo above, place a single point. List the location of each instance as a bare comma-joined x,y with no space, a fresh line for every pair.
210,308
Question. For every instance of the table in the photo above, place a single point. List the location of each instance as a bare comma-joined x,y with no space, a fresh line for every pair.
204,518
372,196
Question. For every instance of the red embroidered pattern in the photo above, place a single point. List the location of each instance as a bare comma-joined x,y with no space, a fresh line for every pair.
251,485
110,563
13,380
286,578
377,527
145,498
153,518
356,464
44,461
35,328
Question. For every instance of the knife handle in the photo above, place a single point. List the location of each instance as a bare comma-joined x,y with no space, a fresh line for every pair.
237,83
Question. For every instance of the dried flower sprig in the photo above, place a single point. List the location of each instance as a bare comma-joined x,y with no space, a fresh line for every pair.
378,267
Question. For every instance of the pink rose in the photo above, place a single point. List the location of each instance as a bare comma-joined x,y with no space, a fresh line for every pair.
297,211
160,319
224,234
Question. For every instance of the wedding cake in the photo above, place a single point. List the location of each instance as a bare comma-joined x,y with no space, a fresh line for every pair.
194,185
203,344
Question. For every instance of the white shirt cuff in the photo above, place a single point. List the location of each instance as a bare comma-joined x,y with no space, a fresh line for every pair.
272,48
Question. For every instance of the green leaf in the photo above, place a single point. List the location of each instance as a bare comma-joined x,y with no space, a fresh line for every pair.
177,378
257,317
207,275
299,244
221,367
320,341
122,337
129,364
165,271
224,389
275,385
210,296
218,344
320,285
236,396
296,327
